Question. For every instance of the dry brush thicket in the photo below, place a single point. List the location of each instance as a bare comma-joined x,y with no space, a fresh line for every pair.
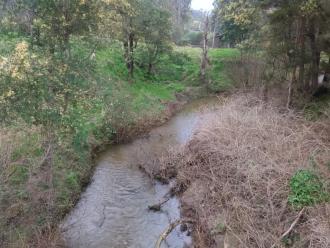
236,172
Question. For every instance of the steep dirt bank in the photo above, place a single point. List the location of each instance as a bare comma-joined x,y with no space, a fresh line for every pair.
235,177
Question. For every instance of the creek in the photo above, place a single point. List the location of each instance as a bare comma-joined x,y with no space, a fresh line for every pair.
113,210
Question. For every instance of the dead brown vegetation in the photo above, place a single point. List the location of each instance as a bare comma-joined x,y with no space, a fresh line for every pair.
236,171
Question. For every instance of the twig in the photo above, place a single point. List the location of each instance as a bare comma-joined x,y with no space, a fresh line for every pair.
10,174
168,230
46,156
294,223
103,216
158,206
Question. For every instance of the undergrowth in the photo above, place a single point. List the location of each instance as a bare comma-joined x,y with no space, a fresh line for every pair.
318,108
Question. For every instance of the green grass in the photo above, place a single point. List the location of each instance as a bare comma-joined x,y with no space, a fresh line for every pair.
219,79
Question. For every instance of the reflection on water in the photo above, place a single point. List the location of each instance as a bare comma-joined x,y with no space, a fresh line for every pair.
113,212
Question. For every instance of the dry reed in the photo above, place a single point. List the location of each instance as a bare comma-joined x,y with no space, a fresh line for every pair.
237,169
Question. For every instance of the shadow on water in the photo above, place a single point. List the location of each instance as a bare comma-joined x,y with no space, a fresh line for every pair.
113,211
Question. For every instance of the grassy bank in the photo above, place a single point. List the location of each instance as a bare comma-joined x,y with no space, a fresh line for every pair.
41,183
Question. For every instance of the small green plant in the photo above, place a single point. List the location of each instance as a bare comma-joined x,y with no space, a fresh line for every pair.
306,189
221,227
72,180
291,240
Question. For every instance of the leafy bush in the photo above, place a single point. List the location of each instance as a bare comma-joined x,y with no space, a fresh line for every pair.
307,189
193,38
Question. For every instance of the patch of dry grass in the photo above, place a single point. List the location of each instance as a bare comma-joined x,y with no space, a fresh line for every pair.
6,148
237,170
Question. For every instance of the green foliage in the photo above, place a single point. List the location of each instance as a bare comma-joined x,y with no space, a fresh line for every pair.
155,27
56,21
40,89
72,180
8,42
292,36
237,20
307,189
193,38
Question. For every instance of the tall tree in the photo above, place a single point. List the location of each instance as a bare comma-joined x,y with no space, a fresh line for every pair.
180,13
292,34
140,21
298,31
42,77
155,27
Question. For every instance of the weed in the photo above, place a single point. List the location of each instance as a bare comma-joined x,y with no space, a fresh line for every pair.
20,175
72,180
307,189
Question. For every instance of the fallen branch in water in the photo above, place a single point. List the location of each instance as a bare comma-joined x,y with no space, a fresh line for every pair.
294,223
158,206
168,230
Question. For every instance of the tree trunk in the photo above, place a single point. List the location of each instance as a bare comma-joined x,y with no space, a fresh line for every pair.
291,83
67,47
316,55
205,60
214,32
126,52
302,53
150,68
131,54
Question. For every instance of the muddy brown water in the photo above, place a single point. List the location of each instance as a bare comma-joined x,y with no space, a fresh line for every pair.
113,211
